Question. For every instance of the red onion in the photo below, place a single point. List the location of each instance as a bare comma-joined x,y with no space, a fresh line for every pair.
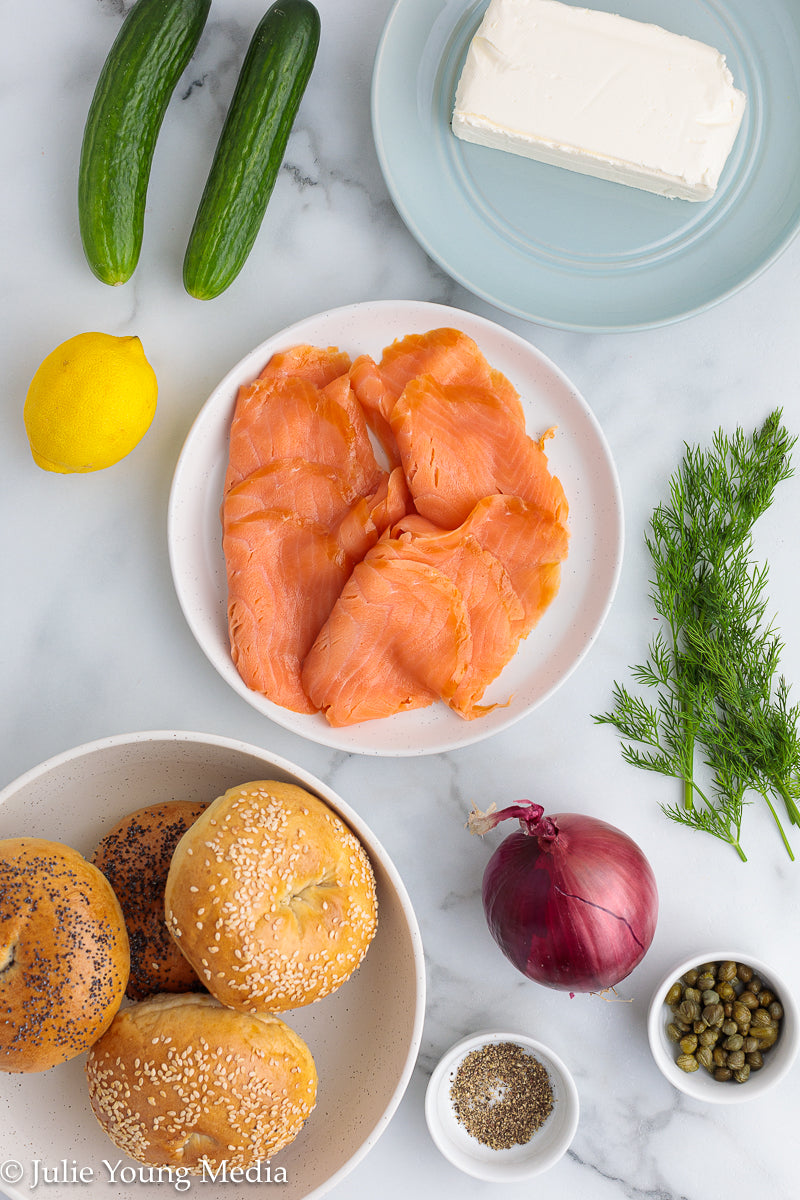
570,900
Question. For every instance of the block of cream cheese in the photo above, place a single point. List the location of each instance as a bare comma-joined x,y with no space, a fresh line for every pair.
600,94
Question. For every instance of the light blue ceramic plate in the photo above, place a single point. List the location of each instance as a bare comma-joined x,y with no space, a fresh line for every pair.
565,249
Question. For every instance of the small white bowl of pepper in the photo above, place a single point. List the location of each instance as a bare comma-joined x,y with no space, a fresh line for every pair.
501,1107
723,1027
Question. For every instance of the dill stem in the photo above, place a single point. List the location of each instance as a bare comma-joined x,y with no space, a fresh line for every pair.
687,714
688,785
734,841
780,827
688,793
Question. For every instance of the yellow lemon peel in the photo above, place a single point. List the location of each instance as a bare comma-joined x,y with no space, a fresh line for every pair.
90,402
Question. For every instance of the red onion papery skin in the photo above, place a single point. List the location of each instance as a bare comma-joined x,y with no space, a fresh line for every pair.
570,900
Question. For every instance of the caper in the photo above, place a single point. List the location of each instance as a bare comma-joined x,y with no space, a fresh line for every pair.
742,1073
729,1028
674,995
775,1009
734,1042
720,1056
750,1044
709,968
756,986
710,996
706,980
736,1059
767,1036
728,1008
765,997
710,1037
673,1033
748,998
761,1019
689,1043
744,972
723,1074
713,1014
705,1058
688,1010
693,993
726,971
690,977
755,1060
726,991
687,1062
741,1014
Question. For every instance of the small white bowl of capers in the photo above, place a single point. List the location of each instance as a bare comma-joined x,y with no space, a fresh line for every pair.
723,1027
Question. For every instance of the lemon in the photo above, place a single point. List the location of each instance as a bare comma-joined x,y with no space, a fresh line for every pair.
89,403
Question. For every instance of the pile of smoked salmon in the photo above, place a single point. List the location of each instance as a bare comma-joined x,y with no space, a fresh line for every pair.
359,590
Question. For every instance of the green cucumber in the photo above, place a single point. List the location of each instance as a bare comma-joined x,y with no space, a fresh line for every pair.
156,41
251,146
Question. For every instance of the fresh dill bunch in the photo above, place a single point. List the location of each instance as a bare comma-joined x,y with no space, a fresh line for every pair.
714,661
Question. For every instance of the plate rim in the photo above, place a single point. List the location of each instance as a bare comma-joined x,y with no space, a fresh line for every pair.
473,731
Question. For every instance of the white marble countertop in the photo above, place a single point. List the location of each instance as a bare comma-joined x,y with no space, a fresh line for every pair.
94,643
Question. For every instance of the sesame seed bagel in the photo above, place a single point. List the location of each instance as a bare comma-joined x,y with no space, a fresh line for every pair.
135,857
64,954
177,1081
271,898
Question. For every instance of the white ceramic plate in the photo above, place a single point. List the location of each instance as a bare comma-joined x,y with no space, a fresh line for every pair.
364,1038
564,249
578,454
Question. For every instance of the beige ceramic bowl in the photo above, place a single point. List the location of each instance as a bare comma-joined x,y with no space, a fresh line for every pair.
700,1084
364,1038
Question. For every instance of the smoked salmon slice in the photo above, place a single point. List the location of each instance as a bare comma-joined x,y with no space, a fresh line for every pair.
493,607
370,389
273,615
293,417
370,516
458,443
318,365
396,639
308,489
446,355
531,545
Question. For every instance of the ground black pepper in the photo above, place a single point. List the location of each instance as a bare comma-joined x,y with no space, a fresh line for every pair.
501,1095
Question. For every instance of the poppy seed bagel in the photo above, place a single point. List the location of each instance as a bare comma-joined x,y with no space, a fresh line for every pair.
64,955
135,857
